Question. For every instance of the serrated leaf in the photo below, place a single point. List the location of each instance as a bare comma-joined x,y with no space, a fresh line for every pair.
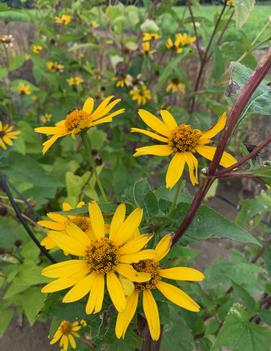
243,9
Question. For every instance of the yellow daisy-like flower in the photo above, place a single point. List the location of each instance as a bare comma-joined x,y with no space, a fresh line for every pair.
64,20
182,141
65,335
6,135
94,24
175,86
37,49
185,39
24,89
122,81
80,119
103,257
76,80
46,118
146,49
141,94
171,292
55,66
150,36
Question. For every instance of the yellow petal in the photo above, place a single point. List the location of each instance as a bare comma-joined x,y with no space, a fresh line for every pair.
100,109
115,291
128,286
156,150
66,206
88,105
163,247
130,273
177,296
150,134
182,273
77,234
137,256
135,245
52,225
109,117
192,163
175,170
65,342
152,315
64,269
47,144
168,119
72,341
81,289
56,337
154,123
220,124
97,220
106,110
46,130
208,152
124,318
96,296
117,220
56,217
67,244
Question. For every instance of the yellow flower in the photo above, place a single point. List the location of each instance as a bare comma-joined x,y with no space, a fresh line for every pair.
180,41
230,3
150,36
123,81
182,141
64,20
55,66
171,292
102,257
175,86
80,119
94,24
6,135
75,80
141,94
24,89
37,49
46,118
58,221
34,98
146,49
65,335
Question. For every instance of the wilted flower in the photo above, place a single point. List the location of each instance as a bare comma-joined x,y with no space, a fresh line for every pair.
46,118
7,40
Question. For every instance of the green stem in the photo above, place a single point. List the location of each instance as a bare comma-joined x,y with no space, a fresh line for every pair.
87,146
173,205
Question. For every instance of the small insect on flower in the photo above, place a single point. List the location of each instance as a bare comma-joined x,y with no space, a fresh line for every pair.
45,118
37,49
150,36
181,140
75,80
80,119
103,256
6,135
65,335
171,292
63,20
141,94
24,89
175,86
55,66
7,40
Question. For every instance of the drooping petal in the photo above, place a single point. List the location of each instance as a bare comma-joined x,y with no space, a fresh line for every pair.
124,318
72,341
115,291
67,244
47,144
152,315
220,124
182,273
208,152
117,220
192,163
175,170
88,105
135,245
64,269
163,247
96,296
127,271
65,342
150,134
97,220
137,256
81,289
56,337
154,123
168,119
156,150
177,296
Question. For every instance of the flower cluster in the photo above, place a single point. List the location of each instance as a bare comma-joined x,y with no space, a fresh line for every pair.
179,42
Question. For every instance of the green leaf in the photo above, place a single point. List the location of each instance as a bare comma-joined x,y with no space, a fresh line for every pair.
32,302
149,26
10,231
219,66
5,319
264,172
242,10
238,334
16,62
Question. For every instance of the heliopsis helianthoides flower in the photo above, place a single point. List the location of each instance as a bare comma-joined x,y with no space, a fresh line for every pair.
54,66
46,118
171,292
106,256
76,80
65,335
181,140
141,94
24,89
37,49
80,119
150,36
175,86
64,19
57,222
185,39
123,80
147,50
7,134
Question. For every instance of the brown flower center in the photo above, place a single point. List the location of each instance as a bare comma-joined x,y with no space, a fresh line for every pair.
76,119
148,266
184,138
102,256
81,222
66,328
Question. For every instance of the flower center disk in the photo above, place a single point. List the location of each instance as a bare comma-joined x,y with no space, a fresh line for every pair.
148,266
102,256
76,119
184,138
66,328
82,223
